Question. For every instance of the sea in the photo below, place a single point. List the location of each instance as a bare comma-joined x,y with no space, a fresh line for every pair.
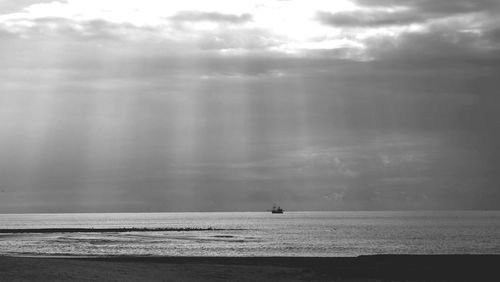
320,234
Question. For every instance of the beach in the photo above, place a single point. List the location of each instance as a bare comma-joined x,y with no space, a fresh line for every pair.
363,268
251,246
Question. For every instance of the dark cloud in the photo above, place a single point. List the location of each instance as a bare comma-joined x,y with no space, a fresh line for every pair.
456,44
443,7
240,38
5,34
369,18
413,12
439,48
47,27
196,16
493,35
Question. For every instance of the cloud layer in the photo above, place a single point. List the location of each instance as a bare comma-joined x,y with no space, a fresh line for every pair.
221,105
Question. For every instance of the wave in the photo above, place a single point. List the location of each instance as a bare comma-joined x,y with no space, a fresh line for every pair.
101,230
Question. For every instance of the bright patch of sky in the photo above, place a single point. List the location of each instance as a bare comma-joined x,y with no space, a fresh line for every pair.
291,26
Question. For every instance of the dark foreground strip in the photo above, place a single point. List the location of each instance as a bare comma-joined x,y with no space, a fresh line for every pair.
385,268
363,268
100,230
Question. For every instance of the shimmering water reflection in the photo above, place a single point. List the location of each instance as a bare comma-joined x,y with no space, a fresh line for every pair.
259,234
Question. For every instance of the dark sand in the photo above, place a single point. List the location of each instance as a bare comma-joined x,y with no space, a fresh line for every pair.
364,268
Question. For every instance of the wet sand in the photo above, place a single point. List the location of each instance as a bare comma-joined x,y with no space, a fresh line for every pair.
364,268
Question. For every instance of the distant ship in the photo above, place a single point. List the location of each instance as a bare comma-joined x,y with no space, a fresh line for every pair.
277,209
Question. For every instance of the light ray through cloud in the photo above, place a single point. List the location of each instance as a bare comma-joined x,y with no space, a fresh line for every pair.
227,105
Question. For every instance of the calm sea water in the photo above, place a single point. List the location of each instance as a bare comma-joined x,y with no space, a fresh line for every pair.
261,234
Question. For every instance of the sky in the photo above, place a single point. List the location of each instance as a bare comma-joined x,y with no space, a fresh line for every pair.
148,106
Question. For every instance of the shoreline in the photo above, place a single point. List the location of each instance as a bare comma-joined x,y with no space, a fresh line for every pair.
145,268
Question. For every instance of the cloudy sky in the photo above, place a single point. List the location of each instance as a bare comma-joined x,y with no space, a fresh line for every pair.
144,105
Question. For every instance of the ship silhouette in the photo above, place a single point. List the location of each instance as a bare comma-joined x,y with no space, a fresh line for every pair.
277,209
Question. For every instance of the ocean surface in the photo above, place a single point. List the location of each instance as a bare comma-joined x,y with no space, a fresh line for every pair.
257,234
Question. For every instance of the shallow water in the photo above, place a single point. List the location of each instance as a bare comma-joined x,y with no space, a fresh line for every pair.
259,234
